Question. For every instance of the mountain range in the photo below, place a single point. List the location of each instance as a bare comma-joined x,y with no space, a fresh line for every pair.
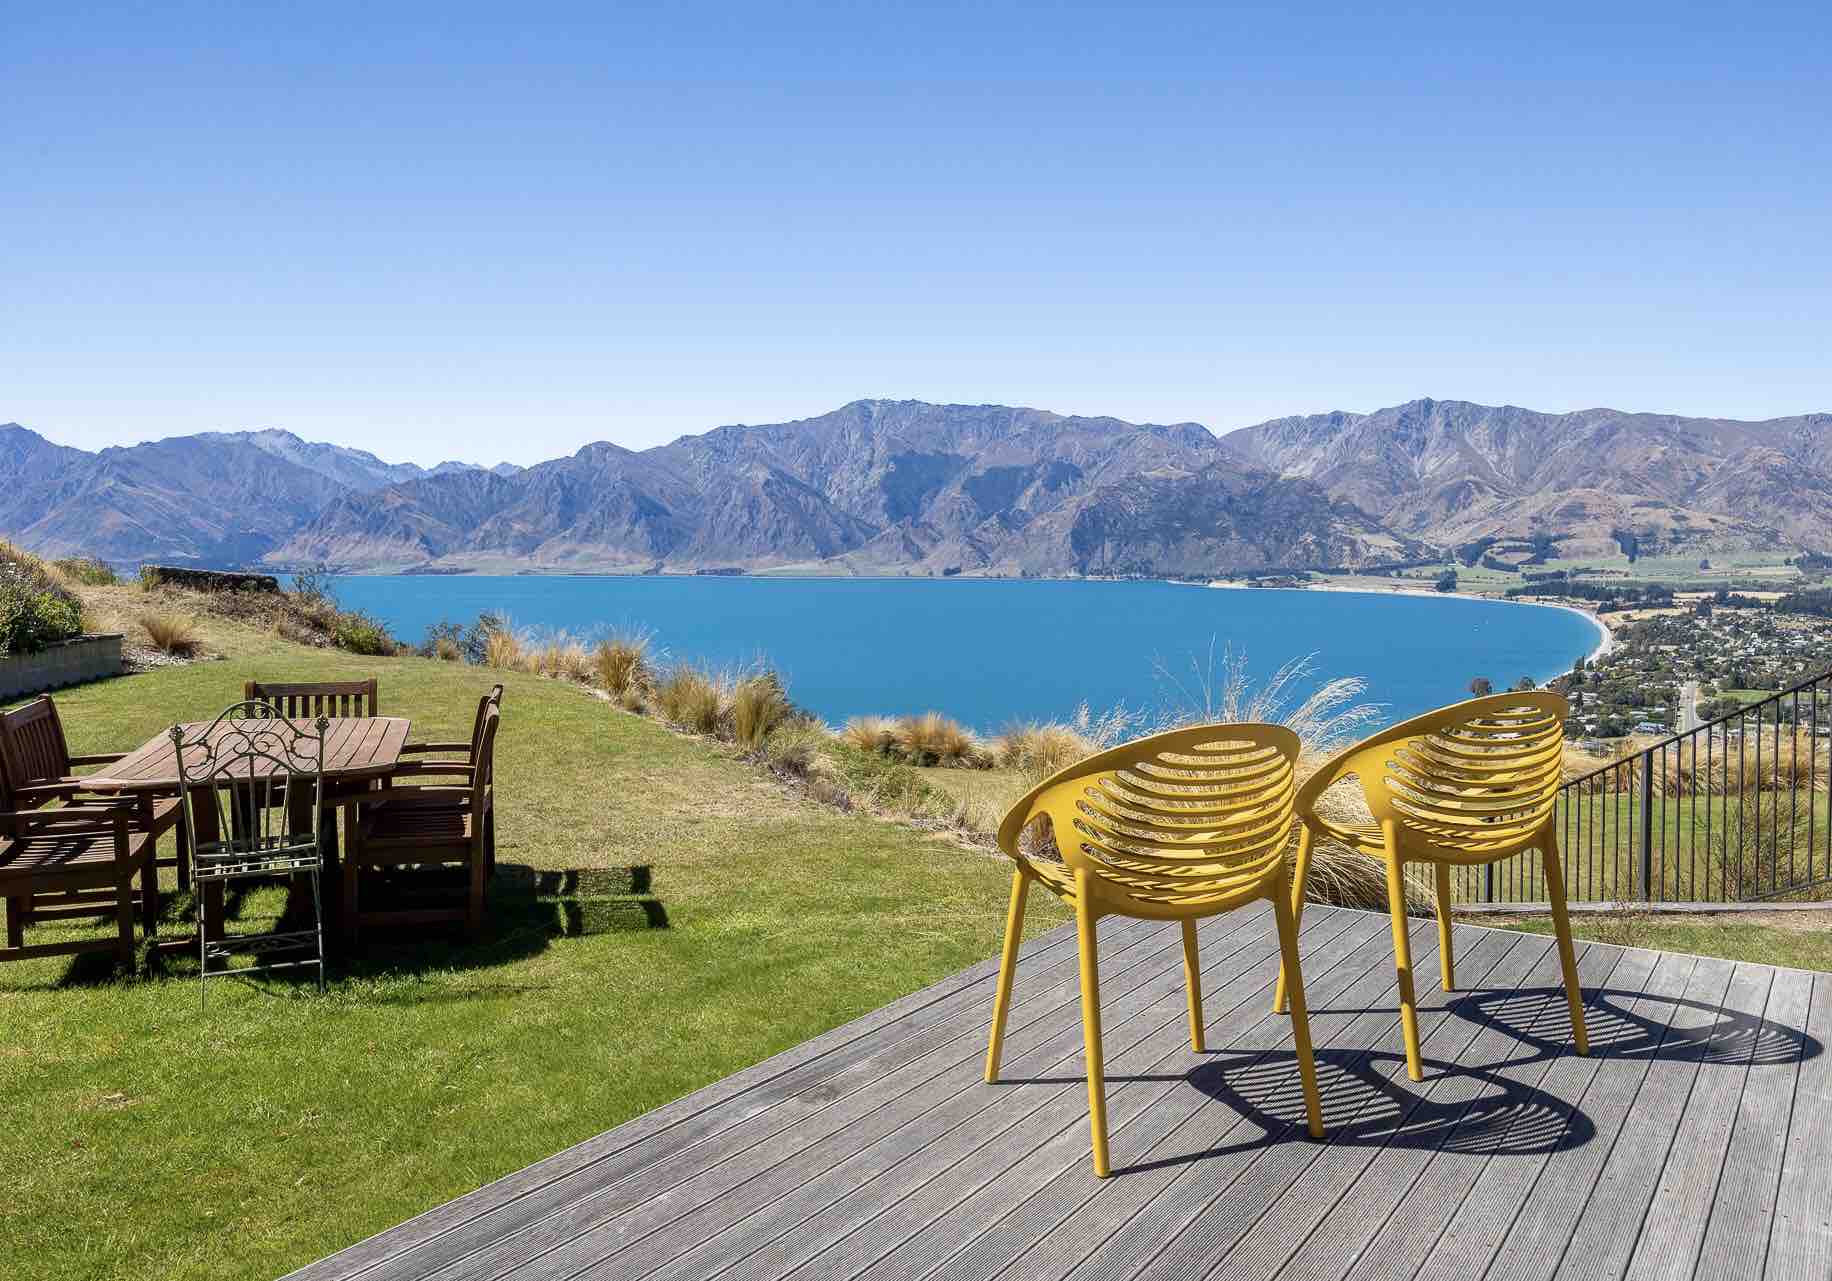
910,487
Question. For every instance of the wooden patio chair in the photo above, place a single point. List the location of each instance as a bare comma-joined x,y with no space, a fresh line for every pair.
1174,827
428,827
39,770
457,769
1468,784
95,849
304,702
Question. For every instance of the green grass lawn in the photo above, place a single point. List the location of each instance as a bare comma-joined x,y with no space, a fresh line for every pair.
1802,940
145,1137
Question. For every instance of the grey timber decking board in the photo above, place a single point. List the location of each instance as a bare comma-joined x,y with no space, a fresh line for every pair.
1693,1142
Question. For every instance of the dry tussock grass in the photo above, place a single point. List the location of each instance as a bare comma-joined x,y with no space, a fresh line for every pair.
172,633
759,705
622,663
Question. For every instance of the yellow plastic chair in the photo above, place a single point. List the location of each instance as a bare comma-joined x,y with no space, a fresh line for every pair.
1472,783
1174,827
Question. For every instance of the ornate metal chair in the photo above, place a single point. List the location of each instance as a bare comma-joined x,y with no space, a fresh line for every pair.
1472,783
253,783
1174,827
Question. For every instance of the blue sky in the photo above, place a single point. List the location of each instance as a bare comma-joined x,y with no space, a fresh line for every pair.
500,231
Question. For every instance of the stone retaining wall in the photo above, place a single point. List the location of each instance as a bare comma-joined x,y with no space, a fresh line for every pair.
214,580
85,658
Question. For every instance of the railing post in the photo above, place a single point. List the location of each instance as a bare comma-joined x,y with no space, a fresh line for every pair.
1488,882
1647,824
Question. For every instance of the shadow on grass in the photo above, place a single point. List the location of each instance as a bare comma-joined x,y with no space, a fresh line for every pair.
528,909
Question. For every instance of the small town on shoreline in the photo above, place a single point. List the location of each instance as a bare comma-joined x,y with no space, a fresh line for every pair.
1686,641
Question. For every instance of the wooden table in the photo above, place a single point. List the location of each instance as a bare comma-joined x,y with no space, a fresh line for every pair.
357,751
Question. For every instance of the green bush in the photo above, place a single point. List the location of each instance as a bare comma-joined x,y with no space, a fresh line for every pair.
86,570
360,633
34,610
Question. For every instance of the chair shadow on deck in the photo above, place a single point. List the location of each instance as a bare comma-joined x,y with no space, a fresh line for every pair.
1618,1030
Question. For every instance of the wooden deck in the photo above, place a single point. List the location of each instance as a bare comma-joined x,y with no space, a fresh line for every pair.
1694,1142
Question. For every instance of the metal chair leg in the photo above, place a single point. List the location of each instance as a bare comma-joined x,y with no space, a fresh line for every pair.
1090,1025
1287,924
1192,985
1402,951
1567,954
1305,839
1447,967
1008,965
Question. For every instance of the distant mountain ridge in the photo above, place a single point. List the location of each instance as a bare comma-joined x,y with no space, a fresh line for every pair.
883,486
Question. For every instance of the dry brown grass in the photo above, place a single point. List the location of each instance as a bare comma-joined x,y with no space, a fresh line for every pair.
758,706
621,662
447,650
504,649
692,698
562,658
934,739
173,633
870,734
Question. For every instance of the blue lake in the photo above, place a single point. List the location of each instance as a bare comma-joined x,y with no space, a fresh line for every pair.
990,651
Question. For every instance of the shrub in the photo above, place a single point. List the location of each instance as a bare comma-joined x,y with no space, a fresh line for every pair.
86,570
149,578
621,662
502,648
759,705
361,633
794,747
35,609
692,698
870,734
933,739
1038,750
447,650
444,641
563,658
172,633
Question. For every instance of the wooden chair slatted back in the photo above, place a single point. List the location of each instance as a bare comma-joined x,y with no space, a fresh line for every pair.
309,700
32,748
1468,779
1174,825
483,755
493,699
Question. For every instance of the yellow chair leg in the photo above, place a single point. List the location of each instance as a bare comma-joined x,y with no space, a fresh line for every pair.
1402,951
1008,965
1297,906
1446,965
1561,925
1192,984
1090,1024
1286,920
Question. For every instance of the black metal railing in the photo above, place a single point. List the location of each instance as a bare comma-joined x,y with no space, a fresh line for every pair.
1731,811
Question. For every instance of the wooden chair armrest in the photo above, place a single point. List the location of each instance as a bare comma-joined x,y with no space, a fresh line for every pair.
413,769
102,817
48,791
435,747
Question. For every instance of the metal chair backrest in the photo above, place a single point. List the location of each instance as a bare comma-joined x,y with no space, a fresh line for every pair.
262,777
1176,825
32,746
1467,780
309,700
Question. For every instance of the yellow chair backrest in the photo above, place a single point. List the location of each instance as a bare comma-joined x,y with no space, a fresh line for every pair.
1176,825
1467,780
